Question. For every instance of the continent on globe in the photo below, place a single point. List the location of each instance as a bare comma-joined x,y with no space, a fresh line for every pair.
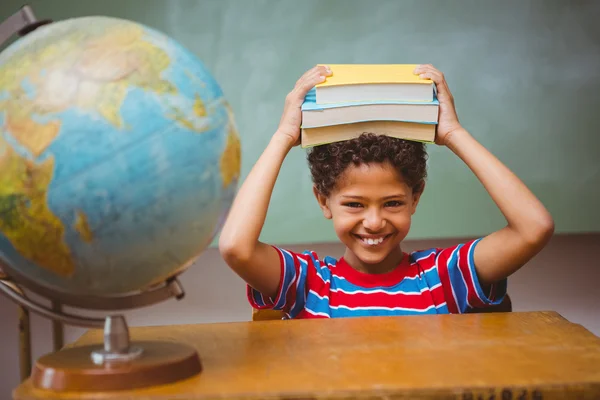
27,222
92,73
18,120
197,121
199,107
231,157
82,227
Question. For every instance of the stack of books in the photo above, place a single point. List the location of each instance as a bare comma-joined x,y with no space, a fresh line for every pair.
385,99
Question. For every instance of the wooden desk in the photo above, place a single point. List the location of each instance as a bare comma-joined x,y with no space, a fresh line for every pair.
529,355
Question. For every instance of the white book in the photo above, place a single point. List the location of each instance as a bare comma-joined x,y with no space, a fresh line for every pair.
325,115
374,91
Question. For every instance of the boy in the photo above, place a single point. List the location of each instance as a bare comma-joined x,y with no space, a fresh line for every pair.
370,188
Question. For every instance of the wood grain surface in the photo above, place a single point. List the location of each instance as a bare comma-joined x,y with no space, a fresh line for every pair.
518,355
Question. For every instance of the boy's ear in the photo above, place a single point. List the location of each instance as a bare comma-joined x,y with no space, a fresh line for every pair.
323,202
417,192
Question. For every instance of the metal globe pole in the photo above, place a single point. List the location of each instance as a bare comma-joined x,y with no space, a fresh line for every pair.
24,330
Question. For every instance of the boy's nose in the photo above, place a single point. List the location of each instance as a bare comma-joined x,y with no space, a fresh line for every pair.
373,221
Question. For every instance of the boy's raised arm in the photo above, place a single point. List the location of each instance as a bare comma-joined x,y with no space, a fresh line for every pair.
255,262
529,225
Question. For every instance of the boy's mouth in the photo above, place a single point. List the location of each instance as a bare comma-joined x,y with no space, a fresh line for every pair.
372,240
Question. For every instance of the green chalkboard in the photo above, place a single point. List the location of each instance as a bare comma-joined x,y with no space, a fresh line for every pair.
525,76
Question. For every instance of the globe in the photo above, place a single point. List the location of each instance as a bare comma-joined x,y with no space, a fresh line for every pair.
119,157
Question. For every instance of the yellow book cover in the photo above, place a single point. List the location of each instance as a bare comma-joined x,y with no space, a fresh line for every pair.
351,74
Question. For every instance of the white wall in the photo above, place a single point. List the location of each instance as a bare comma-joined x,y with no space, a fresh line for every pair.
563,277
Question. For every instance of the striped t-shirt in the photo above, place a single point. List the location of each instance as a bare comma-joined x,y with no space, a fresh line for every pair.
434,281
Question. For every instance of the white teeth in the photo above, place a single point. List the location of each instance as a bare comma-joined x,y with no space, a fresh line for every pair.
373,242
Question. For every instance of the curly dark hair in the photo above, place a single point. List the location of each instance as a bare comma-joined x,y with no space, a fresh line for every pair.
328,162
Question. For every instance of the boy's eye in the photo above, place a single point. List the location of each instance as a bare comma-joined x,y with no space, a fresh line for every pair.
353,205
394,203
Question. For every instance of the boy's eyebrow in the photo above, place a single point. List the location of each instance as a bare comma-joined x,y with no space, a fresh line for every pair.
393,196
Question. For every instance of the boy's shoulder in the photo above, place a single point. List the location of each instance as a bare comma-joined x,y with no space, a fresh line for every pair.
432,252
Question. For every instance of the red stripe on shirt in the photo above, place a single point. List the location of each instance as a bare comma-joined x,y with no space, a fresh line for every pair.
307,314
418,301
442,267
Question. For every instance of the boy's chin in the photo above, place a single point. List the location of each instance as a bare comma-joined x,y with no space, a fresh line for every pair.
368,256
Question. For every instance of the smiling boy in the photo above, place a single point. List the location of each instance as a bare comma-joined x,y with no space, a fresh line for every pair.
370,187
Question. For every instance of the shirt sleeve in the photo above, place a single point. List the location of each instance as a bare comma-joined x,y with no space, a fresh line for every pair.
291,297
456,268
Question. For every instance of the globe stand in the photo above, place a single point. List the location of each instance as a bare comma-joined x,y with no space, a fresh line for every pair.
116,343
116,366
118,363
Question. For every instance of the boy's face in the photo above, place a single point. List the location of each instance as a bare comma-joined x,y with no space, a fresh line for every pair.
371,208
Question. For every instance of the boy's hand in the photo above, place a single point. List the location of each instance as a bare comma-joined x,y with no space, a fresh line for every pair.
291,120
448,120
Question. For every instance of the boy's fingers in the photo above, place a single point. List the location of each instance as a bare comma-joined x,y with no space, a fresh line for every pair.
319,70
328,70
425,67
323,69
419,69
312,77
305,76
311,80
440,83
436,77
315,71
428,72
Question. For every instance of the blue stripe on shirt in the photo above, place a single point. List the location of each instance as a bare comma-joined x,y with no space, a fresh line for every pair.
289,278
317,304
342,311
300,300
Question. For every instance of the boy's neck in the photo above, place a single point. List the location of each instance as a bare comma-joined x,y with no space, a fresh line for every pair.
389,263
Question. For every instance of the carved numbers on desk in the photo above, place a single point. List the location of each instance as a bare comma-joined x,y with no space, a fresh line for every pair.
504,394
